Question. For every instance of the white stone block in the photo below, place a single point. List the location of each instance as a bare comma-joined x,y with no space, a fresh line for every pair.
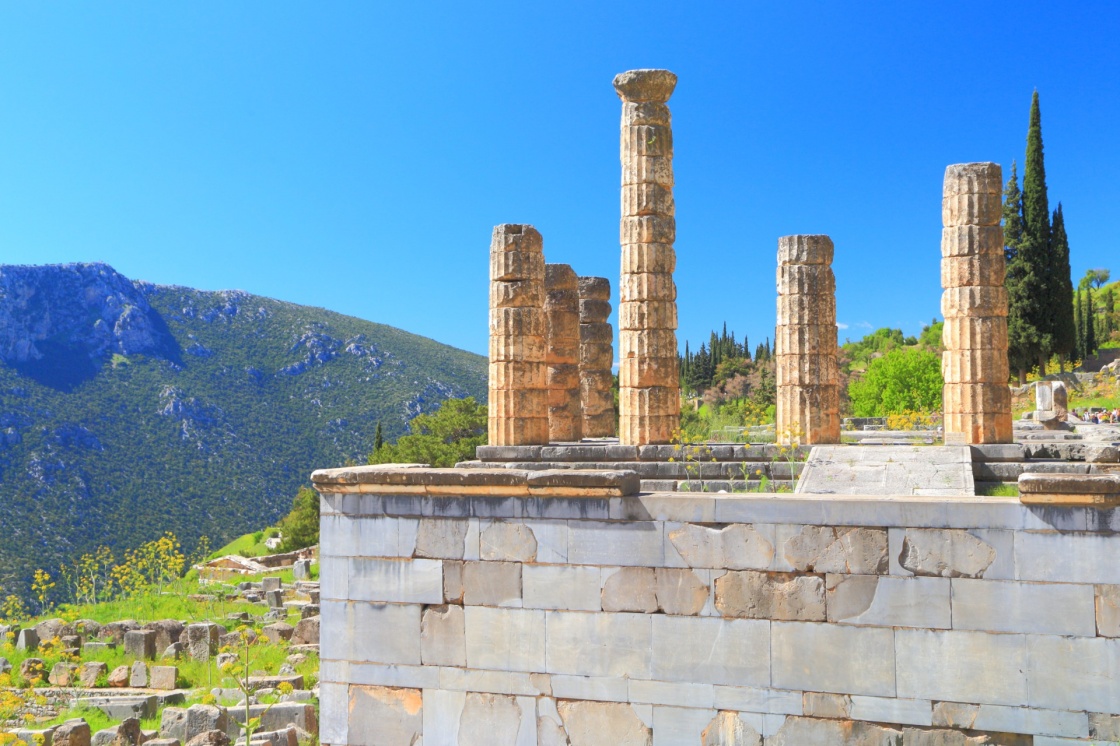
600,543
679,725
1033,721
1067,558
375,633
758,700
408,677
334,671
562,587
1008,606
888,601
892,710
334,578
711,651
833,658
960,666
399,581
442,636
334,703
597,688
679,694
442,710
1074,673
339,536
552,541
471,542
505,639
589,644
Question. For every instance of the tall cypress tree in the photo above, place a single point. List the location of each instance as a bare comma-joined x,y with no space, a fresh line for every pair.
1090,324
1063,329
1012,215
1021,348
1079,326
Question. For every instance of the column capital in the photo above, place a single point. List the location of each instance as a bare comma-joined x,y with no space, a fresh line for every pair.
645,85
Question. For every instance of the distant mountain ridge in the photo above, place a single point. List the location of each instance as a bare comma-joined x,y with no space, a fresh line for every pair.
128,409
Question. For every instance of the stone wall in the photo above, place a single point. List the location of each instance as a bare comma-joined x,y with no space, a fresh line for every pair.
510,615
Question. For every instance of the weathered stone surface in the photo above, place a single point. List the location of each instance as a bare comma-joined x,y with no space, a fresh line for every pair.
737,547
597,723
596,356
395,715
278,632
443,636
888,470
955,714
948,553
163,677
128,733
564,587
599,644
168,632
889,601
138,675
489,719
441,538
851,660
72,733
63,674
802,731
561,307
505,639
90,672
453,582
728,729
631,589
491,583
1104,727
680,591
711,651
649,405
807,397
202,640
1108,610
210,738
140,643
119,676
507,541
825,705
762,595
33,668
850,551
306,631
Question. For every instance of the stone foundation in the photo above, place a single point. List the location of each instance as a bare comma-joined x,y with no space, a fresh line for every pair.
499,608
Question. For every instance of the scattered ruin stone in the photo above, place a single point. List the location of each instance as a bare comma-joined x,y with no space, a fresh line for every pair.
27,639
224,659
72,644
597,723
163,742
202,640
806,372
140,643
728,729
275,599
271,584
518,397
115,631
5,666
33,668
738,546
976,398
649,385
278,632
63,674
89,673
49,629
168,632
74,732
164,677
763,595
301,569
596,358
306,631
947,553
561,313
119,676
853,551
175,650
128,733
210,738
138,675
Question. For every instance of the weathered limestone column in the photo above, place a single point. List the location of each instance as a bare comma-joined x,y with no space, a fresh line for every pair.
808,393
518,397
561,311
649,377
976,399
596,356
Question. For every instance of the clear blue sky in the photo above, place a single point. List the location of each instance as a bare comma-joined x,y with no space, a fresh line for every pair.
355,156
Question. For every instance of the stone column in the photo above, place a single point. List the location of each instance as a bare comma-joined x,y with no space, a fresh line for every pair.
976,399
808,393
596,356
561,311
649,376
518,397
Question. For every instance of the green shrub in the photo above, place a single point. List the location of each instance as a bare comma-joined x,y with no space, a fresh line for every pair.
902,380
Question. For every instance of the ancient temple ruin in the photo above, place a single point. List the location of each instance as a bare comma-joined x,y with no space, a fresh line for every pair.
596,356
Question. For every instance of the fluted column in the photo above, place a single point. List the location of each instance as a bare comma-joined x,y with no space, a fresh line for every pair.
808,393
649,376
976,397
518,412
561,312
596,356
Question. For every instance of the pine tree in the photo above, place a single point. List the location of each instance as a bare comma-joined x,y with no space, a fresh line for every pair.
1079,326
1090,324
1012,216
378,439
1064,330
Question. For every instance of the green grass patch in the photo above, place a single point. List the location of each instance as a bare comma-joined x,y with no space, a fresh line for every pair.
1005,489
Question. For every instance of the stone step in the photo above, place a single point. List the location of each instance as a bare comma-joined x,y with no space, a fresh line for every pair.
682,469
715,485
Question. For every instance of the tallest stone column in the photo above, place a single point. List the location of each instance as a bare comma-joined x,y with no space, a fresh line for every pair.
649,379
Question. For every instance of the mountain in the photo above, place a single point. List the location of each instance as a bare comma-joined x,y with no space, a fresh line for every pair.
128,409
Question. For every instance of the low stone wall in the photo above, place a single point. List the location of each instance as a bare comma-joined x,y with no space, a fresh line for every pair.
505,615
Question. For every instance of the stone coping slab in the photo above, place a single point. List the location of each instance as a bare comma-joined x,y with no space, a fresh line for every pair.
888,470
612,452
411,479
887,511
1094,490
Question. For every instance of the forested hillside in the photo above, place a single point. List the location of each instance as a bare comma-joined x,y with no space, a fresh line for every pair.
129,409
